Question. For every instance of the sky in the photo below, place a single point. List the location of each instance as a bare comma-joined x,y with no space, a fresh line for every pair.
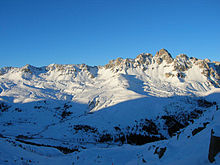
42,32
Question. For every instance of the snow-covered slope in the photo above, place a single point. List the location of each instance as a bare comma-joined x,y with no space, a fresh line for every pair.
99,114
160,75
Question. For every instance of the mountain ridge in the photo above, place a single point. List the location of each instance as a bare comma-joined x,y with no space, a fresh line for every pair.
147,107
172,75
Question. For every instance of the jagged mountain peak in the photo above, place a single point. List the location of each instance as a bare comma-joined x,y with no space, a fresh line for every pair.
161,67
32,69
163,52
182,56
162,55
144,55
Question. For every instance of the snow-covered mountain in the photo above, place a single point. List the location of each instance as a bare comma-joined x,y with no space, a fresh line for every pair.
80,114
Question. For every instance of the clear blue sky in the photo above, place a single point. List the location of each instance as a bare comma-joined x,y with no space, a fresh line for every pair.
41,32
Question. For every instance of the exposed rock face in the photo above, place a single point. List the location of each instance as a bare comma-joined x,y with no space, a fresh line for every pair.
160,152
168,75
73,70
163,52
217,71
209,70
162,55
193,60
214,147
203,64
93,103
180,75
182,63
144,58
113,63
152,65
118,61
28,68
4,70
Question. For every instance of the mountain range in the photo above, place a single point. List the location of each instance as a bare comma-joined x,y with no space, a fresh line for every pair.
147,110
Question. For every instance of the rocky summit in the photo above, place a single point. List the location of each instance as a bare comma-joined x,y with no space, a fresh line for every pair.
153,109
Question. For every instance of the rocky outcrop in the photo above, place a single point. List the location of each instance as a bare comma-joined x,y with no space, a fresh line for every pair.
214,147
202,64
93,103
182,63
169,75
73,69
144,58
160,152
26,69
31,69
113,63
217,70
5,70
180,75
163,55
210,70
63,68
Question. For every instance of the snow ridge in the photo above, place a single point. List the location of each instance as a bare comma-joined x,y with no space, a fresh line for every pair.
158,75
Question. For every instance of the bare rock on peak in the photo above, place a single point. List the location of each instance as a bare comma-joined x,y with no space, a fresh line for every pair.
203,64
163,54
209,70
193,59
167,75
113,63
216,71
118,61
5,70
144,58
207,60
182,63
183,57
180,75
144,55
29,68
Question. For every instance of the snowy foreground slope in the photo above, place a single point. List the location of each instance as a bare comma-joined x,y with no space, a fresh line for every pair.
147,110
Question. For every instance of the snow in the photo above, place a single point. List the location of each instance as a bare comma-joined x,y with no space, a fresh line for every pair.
44,105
